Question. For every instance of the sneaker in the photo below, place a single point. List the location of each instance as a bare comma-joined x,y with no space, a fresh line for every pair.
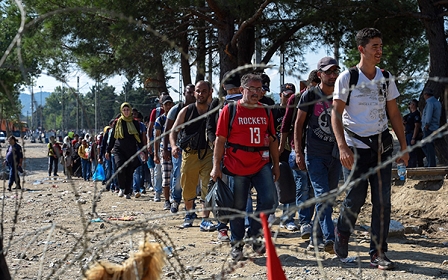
137,195
207,225
320,247
9,188
340,244
291,226
157,197
271,219
380,261
305,231
174,207
259,247
128,196
56,175
143,191
188,221
120,193
329,246
167,205
223,235
237,253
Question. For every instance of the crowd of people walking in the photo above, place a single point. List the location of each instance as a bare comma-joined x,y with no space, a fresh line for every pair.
331,126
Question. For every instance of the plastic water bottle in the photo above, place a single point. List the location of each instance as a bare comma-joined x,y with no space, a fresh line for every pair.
401,170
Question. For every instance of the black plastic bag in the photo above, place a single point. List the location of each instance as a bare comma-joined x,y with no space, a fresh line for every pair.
220,196
286,186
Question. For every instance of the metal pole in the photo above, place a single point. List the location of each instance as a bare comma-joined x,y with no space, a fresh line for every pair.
32,108
41,107
77,105
96,104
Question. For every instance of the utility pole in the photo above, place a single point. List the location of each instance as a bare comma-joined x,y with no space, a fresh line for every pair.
41,107
32,107
96,107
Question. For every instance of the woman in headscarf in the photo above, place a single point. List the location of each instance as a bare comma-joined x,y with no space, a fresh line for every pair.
125,141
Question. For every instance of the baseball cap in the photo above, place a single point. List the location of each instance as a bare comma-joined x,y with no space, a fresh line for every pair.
266,82
288,88
428,91
166,98
265,88
326,63
232,81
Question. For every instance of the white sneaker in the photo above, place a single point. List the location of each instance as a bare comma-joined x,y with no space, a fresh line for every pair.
157,197
120,193
291,226
305,231
271,219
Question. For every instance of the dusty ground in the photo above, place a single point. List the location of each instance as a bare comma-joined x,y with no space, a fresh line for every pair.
60,231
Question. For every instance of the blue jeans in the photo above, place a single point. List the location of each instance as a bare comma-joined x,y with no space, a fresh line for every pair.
158,178
324,176
137,183
380,191
85,165
107,170
429,150
146,175
302,195
264,184
176,189
13,176
413,154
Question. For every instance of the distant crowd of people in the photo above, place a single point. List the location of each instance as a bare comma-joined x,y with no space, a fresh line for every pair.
251,143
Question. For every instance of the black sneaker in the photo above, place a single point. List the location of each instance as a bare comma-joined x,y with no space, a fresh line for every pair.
340,244
237,253
380,261
259,247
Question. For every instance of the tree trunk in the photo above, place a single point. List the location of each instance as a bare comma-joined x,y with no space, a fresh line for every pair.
184,63
200,52
227,55
246,46
438,61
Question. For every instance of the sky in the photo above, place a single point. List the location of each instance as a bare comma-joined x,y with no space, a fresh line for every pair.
48,84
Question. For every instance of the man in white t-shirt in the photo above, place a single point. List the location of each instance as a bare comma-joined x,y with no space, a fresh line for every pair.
360,124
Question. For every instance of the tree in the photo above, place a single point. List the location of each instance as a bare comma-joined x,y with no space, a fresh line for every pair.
433,15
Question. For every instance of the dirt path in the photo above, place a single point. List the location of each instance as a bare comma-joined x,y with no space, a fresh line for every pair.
61,229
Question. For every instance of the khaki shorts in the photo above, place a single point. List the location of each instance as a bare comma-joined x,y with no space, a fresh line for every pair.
192,169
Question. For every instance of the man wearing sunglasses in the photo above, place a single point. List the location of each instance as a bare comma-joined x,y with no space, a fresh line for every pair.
248,149
314,116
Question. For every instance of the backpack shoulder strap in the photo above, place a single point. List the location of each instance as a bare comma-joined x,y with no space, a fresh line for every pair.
354,76
386,75
189,113
232,113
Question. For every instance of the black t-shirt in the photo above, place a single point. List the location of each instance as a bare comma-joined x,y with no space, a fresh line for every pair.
411,119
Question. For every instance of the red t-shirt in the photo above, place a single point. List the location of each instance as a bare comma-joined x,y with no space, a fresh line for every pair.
153,116
250,128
